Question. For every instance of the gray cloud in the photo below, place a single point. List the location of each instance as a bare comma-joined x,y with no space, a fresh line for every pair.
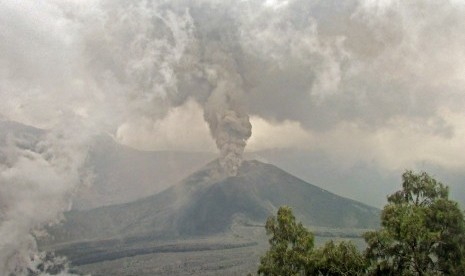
382,62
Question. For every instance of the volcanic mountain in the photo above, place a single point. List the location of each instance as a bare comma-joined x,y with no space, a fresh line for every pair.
121,174
208,203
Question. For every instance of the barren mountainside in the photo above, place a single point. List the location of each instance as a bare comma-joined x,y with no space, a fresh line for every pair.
206,203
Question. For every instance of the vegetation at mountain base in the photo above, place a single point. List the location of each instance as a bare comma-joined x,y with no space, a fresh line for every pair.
291,251
341,258
422,233
290,245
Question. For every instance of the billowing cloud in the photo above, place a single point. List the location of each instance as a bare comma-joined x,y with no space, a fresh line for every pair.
183,129
400,144
361,62
279,135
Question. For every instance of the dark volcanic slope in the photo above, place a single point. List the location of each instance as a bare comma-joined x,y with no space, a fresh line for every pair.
123,174
205,203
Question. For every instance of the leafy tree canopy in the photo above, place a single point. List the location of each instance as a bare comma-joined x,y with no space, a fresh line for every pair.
422,231
290,245
291,251
341,258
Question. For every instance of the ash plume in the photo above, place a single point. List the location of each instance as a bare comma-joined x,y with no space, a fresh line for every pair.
166,49
229,126
224,109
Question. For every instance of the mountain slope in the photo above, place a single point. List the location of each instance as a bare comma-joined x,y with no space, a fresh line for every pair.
124,174
207,203
121,174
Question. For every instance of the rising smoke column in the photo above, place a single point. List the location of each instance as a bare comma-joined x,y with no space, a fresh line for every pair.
228,122
156,44
39,85
215,54
38,178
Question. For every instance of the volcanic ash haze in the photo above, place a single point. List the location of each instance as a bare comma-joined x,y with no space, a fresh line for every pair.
93,67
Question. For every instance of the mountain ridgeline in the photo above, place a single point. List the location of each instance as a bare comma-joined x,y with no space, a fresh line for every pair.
208,203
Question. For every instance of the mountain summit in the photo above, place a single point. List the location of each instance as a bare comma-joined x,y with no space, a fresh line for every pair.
207,202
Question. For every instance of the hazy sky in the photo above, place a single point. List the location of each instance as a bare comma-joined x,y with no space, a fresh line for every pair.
365,88
382,82
377,86
361,82
378,82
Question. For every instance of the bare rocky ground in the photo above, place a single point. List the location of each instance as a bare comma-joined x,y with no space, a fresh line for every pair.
208,224
234,253
236,261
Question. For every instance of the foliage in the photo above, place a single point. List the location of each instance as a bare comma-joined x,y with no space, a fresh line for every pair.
337,259
290,245
422,231
291,251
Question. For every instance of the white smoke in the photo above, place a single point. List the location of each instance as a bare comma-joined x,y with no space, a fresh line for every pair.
37,180
77,69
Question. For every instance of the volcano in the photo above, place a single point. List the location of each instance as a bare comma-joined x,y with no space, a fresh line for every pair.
208,203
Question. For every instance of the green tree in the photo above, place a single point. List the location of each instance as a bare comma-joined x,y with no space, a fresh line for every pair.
422,231
291,251
337,259
290,245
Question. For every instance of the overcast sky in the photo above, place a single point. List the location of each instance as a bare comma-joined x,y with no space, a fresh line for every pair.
370,88
378,83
